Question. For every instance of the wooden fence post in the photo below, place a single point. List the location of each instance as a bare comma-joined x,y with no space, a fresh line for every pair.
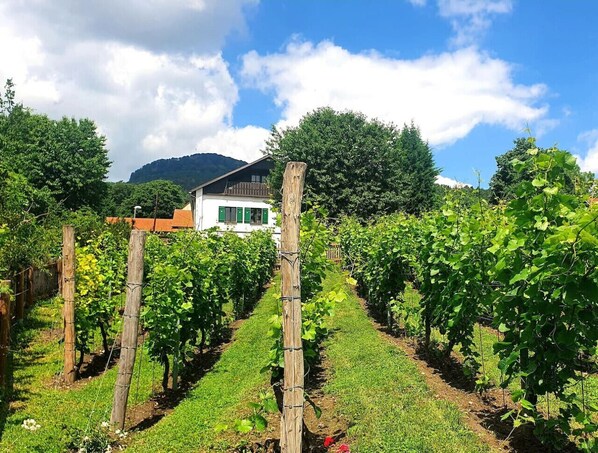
30,287
130,328
4,331
68,294
291,425
20,293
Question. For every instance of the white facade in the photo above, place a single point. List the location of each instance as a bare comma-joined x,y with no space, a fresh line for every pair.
208,207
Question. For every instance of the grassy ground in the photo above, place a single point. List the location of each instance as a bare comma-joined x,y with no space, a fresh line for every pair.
222,394
484,339
37,394
380,390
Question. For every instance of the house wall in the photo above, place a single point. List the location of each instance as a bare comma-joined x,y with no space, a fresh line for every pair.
206,213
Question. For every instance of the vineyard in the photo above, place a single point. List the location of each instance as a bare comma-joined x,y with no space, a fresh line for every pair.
186,341
528,269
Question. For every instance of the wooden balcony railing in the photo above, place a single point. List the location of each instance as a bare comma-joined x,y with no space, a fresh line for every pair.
251,189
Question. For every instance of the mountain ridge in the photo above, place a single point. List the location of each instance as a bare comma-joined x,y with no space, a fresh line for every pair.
186,171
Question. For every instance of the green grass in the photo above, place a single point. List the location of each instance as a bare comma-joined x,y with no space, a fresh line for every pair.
382,393
37,360
484,339
222,394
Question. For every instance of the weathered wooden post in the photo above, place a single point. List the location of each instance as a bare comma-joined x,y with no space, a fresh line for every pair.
291,425
30,287
20,293
68,294
4,330
130,328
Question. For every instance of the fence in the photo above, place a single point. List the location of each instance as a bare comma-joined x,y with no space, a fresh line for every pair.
28,286
32,284
334,253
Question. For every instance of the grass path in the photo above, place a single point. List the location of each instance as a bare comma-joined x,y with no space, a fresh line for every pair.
382,393
37,359
222,394
377,388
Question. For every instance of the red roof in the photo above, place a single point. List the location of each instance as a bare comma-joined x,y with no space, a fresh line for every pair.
181,219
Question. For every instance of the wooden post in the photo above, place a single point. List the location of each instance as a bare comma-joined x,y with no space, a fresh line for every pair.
4,330
291,425
130,328
68,294
30,287
20,293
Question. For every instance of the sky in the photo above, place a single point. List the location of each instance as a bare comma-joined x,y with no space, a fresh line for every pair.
168,78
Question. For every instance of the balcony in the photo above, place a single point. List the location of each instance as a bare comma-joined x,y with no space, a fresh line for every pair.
247,189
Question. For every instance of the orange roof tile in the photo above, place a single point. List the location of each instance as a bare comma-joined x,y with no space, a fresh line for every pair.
182,219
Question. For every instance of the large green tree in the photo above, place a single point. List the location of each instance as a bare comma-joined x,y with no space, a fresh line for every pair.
417,172
22,215
355,166
123,197
507,178
67,157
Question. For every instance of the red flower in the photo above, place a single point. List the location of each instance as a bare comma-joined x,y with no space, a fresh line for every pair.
344,448
328,441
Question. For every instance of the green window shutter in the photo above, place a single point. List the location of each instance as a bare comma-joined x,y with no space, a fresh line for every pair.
221,214
247,215
264,216
239,215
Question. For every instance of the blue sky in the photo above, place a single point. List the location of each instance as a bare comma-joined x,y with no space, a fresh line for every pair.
170,78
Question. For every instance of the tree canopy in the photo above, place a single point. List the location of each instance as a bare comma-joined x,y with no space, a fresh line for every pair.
66,157
417,172
507,178
121,197
356,166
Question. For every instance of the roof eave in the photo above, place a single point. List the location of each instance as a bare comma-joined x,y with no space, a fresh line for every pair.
226,175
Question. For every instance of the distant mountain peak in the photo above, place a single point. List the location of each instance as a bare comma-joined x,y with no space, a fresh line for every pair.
187,171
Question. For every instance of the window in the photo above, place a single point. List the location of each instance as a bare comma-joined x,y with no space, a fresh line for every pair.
256,216
231,215
259,178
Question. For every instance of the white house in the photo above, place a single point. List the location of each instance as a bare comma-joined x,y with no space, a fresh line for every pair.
237,201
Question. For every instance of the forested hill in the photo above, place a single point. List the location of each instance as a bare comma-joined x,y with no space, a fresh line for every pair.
187,171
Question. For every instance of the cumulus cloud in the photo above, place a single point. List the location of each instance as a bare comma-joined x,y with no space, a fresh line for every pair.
446,94
590,161
159,25
113,62
444,181
471,18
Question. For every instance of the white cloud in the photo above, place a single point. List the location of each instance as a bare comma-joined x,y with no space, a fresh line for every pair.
243,143
446,95
113,62
471,18
159,25
417,2
444,181
590,161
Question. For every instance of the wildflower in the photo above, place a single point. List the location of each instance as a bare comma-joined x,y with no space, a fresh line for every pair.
328,441
344,448
105,425
30,425
108,449
86,439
